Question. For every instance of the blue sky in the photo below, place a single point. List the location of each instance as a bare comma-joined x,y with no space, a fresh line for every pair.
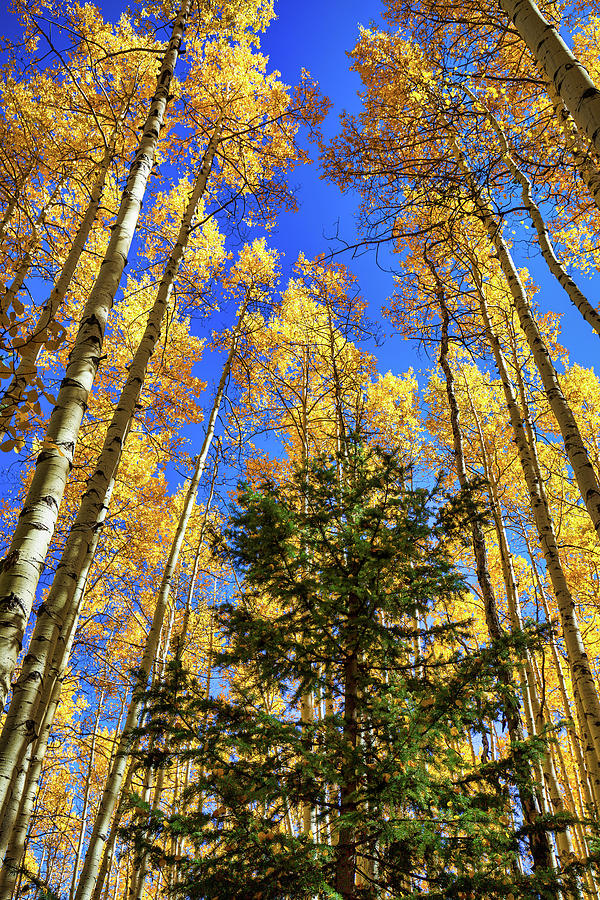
317,35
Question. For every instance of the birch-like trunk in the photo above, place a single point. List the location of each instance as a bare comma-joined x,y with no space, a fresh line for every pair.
11,818
30,348
24,795
585,475
58,616
105,870
570,78
586,166
86,798
24,561
588,787
545,771
579,664
566,850
114,779
10,294
557,268
14,199
539,841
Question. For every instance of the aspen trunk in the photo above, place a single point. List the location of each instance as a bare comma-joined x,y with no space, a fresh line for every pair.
14,199
566,850
86,799
569,77
24,561
584,782
10,294
579,833
153,785
583,470
583,680
108,855
586,166
24,794
59,614
115,777
539,841
575,295
31,347
10,866
531,437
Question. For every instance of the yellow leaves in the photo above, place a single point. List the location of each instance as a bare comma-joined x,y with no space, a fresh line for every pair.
254,273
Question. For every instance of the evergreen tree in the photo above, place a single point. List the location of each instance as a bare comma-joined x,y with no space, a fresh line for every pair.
347,591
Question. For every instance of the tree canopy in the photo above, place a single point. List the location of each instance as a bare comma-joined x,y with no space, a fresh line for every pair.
277,622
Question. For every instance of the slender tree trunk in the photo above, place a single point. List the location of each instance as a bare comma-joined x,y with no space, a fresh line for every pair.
86,799
584,783
30,348
12,816
583,470
527,680
104,872
115,777
58,616
14,199
576,296
539,841
10,294
586,166
569,77
24,795
24,561
583,680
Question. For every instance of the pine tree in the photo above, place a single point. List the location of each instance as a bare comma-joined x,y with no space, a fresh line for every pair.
346,582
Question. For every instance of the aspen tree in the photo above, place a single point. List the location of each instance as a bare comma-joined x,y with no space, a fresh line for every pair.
558,269
30,348
538,840
583,469
583,680
86,799
569,77
8,301
586,166
110,795
24,561
61,608
179,645
589,803
533,709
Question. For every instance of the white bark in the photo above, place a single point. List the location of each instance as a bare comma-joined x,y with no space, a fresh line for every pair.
10,294
586,165
31,347
23,795
585,475
57,618
557,268
23,564
86,797
570,78
114,780
539,841
579,664
9,869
